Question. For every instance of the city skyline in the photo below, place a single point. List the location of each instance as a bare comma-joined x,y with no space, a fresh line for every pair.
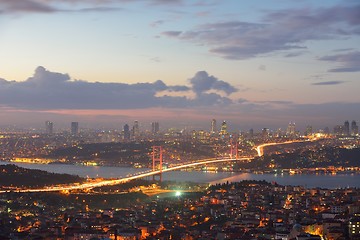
251,63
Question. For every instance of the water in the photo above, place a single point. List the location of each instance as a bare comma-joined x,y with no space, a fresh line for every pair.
307,180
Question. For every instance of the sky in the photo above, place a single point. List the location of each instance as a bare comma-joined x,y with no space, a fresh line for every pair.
182,63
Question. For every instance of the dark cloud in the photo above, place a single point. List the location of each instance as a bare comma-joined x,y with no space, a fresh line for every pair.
171,33
328,83
49,6
202,82
51,90
25,6
294,54
350,62
287,29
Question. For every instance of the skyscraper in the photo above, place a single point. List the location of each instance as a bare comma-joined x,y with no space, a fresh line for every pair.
346,128
155,127
354,128
126,131
223,130
74,128
136,129
290,131
309,130
49,126
213,126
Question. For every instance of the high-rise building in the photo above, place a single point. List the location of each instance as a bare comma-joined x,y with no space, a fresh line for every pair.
309,130
339,130
136,129
251,133
126,131
290,131
223,130
74,128
49,126
346,128
354,129
213,126
155,127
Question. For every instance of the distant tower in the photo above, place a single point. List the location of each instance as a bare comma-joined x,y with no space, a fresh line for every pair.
290,131
155,127
213,126
309,130
136,129
251,133
223,130
126,132
49,127
74,128
354,129
346,128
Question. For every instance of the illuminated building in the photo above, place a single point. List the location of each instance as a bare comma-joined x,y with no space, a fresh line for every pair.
354,227
213,126
74,128
49,127
223,130
309,130
290,131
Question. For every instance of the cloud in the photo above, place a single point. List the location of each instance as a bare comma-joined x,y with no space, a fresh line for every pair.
294,54
51,90
157,23
328,83
350,62
171,33
202,83
262,67
283,30
25,6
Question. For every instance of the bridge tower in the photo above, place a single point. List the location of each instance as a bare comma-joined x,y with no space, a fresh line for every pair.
157,157
234,153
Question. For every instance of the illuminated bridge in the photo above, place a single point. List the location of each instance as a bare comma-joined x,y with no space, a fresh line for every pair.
156,170
111,182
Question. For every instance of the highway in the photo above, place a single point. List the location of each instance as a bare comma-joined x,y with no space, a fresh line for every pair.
260,148
111,182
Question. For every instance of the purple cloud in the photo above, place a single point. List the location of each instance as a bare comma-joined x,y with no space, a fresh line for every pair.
284,30
202,83
328,83
350,62
51,90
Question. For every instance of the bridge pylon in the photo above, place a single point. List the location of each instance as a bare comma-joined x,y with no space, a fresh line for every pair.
157,157
234,149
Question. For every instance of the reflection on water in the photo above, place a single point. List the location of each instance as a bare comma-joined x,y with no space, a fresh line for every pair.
307,180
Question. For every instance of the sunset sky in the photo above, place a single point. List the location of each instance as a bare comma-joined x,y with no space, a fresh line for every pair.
252,63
